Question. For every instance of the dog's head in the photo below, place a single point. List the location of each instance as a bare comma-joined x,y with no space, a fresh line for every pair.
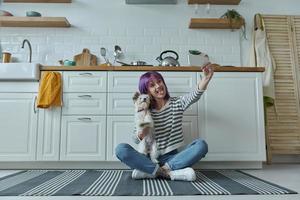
141,101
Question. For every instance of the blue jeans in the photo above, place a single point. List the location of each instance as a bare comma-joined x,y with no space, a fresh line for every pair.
174,159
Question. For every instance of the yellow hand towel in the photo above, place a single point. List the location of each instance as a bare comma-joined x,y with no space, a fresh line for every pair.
50,90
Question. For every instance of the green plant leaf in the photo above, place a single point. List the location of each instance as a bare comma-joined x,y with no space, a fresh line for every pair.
194,52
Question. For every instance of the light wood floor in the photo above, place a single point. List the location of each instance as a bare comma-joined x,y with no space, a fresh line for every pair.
286,175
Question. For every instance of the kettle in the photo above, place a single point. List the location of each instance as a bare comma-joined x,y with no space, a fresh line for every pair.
168,60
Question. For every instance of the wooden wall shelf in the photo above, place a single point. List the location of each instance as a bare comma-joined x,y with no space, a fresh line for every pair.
218,2
34,22
37,1
214,23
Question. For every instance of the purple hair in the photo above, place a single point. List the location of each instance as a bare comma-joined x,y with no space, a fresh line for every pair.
144,81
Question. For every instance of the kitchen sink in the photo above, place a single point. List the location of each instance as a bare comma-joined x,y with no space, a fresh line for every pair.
19,71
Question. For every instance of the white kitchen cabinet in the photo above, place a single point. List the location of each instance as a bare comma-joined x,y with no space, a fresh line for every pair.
190,129
83,138
120,130
120,106
48,137
48,144
98,114
83,129
231,118
18,127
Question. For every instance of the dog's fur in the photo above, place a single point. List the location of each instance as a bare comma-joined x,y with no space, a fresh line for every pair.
143,119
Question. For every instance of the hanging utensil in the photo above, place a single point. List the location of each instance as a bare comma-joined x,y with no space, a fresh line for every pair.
117,53
139,63
103,54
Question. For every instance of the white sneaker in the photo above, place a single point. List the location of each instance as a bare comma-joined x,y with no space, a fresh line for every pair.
186,174
137,174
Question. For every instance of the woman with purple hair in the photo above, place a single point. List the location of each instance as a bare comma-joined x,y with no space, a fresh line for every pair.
167,113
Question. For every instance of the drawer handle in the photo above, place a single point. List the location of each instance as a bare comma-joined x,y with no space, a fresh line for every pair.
85,119
85,96
86,74
34,105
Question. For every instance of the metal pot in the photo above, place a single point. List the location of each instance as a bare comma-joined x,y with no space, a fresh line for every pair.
139,63
168,60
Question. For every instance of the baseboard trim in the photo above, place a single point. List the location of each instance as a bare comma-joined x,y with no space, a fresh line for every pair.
285,159
118,165
229,165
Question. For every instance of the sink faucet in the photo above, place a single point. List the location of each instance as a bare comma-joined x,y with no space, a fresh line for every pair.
30,50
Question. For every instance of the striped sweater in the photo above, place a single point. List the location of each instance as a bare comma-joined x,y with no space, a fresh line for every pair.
168,122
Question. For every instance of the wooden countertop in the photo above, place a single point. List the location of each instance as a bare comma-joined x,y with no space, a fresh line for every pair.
150,68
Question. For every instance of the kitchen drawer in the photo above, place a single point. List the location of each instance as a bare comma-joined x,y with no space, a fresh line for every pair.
84,81
19,86
122,104
127,82
84,104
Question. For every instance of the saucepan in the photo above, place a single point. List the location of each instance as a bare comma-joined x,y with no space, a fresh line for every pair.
134,63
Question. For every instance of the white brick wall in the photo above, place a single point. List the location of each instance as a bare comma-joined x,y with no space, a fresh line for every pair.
142,31
145,44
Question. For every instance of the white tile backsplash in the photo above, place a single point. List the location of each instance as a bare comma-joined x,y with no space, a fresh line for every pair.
143,31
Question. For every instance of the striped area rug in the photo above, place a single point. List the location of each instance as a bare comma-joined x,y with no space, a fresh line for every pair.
120,183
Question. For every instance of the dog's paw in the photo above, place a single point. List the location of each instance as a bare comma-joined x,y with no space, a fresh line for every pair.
135,96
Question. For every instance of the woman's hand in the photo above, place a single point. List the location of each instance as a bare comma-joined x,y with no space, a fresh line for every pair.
208,72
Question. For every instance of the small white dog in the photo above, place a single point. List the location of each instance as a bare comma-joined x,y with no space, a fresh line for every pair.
143,119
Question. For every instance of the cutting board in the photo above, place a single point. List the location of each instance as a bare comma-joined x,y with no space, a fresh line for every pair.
85,58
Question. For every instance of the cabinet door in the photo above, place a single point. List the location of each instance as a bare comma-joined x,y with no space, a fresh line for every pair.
49,134
18,127
190,128
119,130
231,118
83,138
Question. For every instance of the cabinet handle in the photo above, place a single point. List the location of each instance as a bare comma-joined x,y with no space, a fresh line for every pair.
87,96
86,74
85,119
34,103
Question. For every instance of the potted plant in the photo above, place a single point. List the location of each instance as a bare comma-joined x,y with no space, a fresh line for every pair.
235,18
